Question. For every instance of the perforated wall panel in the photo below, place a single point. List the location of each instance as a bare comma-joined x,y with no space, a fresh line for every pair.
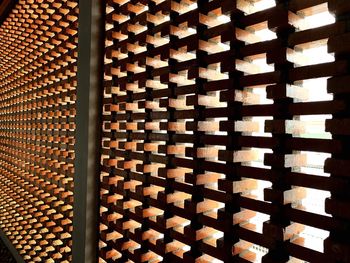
38,52
225,132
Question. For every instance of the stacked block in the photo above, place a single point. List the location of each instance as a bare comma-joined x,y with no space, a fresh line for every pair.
225,131
38,53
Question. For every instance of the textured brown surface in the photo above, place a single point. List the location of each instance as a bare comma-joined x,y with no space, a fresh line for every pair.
38,43
209,151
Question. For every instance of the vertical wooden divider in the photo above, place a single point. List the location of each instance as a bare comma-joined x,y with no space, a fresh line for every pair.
89,95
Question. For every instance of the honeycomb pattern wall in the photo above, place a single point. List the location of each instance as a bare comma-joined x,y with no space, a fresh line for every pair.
225,131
